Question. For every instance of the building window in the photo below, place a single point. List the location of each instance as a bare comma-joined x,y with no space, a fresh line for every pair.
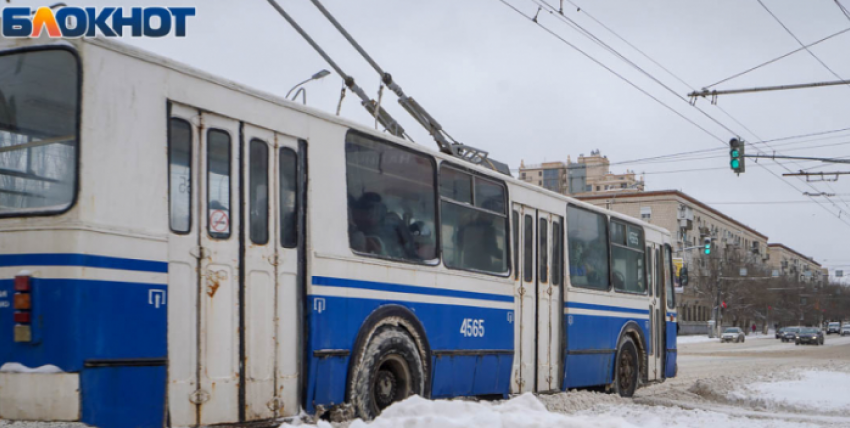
522,175
645,213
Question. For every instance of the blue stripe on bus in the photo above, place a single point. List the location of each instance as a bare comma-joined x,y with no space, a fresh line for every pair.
577,305
82,260
399,288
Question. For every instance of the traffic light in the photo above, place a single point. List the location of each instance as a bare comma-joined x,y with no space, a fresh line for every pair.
736,155
683,276
707,245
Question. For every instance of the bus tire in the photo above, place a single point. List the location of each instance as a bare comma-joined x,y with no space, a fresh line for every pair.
390,370
626,368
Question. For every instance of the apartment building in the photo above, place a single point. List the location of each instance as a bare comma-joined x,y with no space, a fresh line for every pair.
588,175
787,262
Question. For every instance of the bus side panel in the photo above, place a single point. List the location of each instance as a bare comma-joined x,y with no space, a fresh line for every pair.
335,321
591,347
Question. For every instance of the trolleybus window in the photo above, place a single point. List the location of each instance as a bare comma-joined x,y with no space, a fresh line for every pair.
668,278
649,269
391,200
259,192
218,183
528,249
557,252
515,231
474,233
543,249
180,175
39,111
456,185
587,237
288,198
627,260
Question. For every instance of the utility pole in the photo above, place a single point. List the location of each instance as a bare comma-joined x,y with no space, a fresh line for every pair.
705,93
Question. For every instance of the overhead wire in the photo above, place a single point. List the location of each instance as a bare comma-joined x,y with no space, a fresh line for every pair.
754,68
797,39
598,41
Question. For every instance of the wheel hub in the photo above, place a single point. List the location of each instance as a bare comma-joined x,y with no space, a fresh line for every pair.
626,371
386,388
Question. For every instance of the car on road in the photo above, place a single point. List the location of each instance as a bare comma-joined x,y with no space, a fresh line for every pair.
845,330
780,332
732,334
809,336
833,327
790,334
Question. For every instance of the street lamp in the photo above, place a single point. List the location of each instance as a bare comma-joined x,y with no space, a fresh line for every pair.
319,75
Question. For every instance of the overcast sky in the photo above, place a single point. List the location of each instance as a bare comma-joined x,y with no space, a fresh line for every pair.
500,82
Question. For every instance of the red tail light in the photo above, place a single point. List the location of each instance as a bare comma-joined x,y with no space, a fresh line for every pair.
22,283
22,317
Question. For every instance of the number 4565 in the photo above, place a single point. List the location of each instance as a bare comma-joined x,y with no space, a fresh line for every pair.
472,328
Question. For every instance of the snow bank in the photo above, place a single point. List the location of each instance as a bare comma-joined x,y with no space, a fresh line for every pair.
525,411
684,340
20,368
819,391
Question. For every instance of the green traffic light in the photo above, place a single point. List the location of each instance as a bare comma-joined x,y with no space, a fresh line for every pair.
708,249
735,153
735,163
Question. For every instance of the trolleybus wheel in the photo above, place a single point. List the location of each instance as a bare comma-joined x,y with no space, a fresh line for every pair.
626,368
389,370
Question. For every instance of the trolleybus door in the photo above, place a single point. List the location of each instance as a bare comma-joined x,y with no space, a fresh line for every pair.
270,174
526,297
183,256
219,223
289,201
653,258
549,306
660,314
260,260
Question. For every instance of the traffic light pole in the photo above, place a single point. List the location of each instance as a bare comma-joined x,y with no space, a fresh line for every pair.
826,160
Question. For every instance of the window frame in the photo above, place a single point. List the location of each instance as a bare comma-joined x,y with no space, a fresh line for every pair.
607,245
191,173
436,186
671,299
251,202
297,196
229,184
440,198
78,117
641,250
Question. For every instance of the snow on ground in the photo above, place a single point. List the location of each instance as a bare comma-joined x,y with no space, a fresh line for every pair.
825,392
567,410
682,340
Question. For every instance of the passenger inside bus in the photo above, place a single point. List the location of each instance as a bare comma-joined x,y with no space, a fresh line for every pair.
377,231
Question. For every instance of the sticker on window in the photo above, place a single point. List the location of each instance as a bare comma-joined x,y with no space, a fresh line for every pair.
219,222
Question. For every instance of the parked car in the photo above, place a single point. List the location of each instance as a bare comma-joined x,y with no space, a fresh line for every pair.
732,334
790,334
779,332
810,336
833,327
845,330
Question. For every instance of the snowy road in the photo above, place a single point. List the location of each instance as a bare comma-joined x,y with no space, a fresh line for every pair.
762,383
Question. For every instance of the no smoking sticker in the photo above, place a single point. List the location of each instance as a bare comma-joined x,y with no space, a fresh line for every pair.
219,222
